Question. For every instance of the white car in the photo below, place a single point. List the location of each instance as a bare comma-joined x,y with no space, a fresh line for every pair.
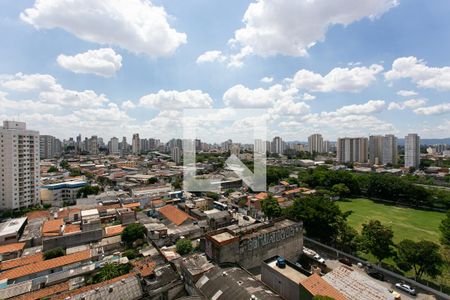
319,259
309,252
406,288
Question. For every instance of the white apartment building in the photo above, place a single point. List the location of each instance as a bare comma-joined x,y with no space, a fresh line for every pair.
114,146
19,166
176,155
352,150
136,144
412,150
315,143
376,143
49,147
390,149
277,145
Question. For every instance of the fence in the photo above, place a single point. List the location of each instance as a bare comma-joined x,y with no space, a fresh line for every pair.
438,294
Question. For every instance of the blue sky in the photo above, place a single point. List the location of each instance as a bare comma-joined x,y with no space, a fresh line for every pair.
82,67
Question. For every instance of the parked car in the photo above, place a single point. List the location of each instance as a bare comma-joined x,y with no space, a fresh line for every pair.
309,252
345,261
319,259
406,288
376,275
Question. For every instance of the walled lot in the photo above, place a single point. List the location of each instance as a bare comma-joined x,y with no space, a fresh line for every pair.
407,223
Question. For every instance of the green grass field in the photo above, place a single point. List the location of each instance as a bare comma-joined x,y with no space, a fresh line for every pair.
407,223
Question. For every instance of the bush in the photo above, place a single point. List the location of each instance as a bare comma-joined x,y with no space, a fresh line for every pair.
132,233
184,246
53,253
130,253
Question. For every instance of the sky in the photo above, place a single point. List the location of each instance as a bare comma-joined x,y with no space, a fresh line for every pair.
118,67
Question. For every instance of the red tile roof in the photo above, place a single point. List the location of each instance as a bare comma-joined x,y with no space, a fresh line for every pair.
22,261
38,214
11,248
132,205
318,286
71,228
114,230
173,214
144,267
52,227
46,265
45,293
262,196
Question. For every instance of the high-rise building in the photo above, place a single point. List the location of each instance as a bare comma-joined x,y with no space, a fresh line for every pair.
390,150
136,144
326,146
277,145
176,155
49,146
235,149
260,146
315,143
114,146
352,150
19,166
376,144
92,146
412,150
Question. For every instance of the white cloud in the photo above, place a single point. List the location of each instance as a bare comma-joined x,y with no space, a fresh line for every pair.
237,60
176,100
406,93
49,91
240,96
211,56
136,25
291,27
370,107
419,73
308,97
266,79
289,107
439,109
127,105
411,103
102,62
338,79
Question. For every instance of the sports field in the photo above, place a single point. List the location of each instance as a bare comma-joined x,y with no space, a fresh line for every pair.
407,223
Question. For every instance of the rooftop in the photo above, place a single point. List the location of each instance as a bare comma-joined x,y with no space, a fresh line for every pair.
196,264
22,261
12,226
355,285
45,265
223,236
113,230
11,248
52,227
233,283
173,214
317,286
288,271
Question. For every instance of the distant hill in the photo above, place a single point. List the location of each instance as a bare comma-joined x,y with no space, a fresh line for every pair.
428,141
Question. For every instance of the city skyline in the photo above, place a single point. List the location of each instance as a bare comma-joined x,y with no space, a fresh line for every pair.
340,79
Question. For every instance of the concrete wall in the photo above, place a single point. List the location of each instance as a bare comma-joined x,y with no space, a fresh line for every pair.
282,285
72,240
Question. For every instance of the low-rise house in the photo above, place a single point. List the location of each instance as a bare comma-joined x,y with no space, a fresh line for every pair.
11,251
11,230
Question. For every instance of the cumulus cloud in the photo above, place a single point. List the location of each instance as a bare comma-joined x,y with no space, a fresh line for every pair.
370,107
266,79
176,100
419,73
308,97
211,56
438,109
411,103
338,79
240,96
406,93
102,62
136,25
291,27
49,91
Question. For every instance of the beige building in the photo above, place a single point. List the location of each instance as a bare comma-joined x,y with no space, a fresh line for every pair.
315,143
19,166
352,150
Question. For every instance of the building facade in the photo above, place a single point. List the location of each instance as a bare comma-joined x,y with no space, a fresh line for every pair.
315,143
19,166
49,147
390,150
352,150
114,146
136,144
376,143
412,150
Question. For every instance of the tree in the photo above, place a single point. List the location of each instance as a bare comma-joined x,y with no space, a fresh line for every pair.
64,164
340,190
445,230
423,257
271,208
110,271
88,190
52,169
130,253
152,180
377,239
184,246
53,253
321,217
347,239
320,297
132,233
